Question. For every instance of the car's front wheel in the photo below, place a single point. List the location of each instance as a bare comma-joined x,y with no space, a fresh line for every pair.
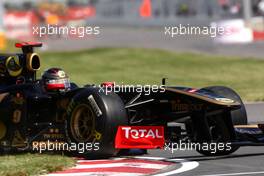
221,136
92,121
239,116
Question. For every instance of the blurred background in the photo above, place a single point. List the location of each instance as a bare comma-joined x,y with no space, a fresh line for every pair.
132,43
139,23
132,48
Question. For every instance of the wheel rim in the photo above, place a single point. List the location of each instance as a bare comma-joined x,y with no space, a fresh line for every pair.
2,130
82,123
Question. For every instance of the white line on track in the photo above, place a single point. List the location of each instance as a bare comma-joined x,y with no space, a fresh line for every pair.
186,165
237,173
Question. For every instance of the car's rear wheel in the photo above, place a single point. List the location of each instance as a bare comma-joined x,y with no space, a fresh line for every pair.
93,118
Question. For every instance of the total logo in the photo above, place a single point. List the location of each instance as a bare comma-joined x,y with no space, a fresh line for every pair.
140,137
141,133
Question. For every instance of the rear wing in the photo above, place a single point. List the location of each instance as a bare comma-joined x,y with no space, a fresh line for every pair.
28,47
20,65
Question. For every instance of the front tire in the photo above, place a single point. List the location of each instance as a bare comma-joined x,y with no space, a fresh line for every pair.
239,116
93,118
220,136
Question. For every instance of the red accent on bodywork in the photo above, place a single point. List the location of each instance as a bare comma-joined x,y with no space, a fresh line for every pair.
55,86
140,137
33,44
192,90
108,84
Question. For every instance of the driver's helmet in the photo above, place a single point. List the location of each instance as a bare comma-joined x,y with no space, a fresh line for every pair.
55,79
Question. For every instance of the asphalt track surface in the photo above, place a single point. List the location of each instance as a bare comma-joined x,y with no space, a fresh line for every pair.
247,160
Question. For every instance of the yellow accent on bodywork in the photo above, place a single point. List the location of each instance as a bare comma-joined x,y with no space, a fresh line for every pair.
97,135
13,72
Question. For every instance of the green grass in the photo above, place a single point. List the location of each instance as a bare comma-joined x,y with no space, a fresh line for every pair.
32,164
148,66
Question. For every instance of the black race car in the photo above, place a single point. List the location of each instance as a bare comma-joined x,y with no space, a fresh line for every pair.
52,112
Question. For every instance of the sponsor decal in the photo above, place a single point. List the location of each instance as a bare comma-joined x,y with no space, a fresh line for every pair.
94,105
70,107
177,105
225,100
17,116
18,140
140,137
53,136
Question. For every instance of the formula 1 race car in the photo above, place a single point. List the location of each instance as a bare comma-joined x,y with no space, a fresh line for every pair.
52,111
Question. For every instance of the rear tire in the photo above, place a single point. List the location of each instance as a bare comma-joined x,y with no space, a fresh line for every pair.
93,117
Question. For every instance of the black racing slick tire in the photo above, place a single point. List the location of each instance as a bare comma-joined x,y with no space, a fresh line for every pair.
239,116
219,129
218,146
93,118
